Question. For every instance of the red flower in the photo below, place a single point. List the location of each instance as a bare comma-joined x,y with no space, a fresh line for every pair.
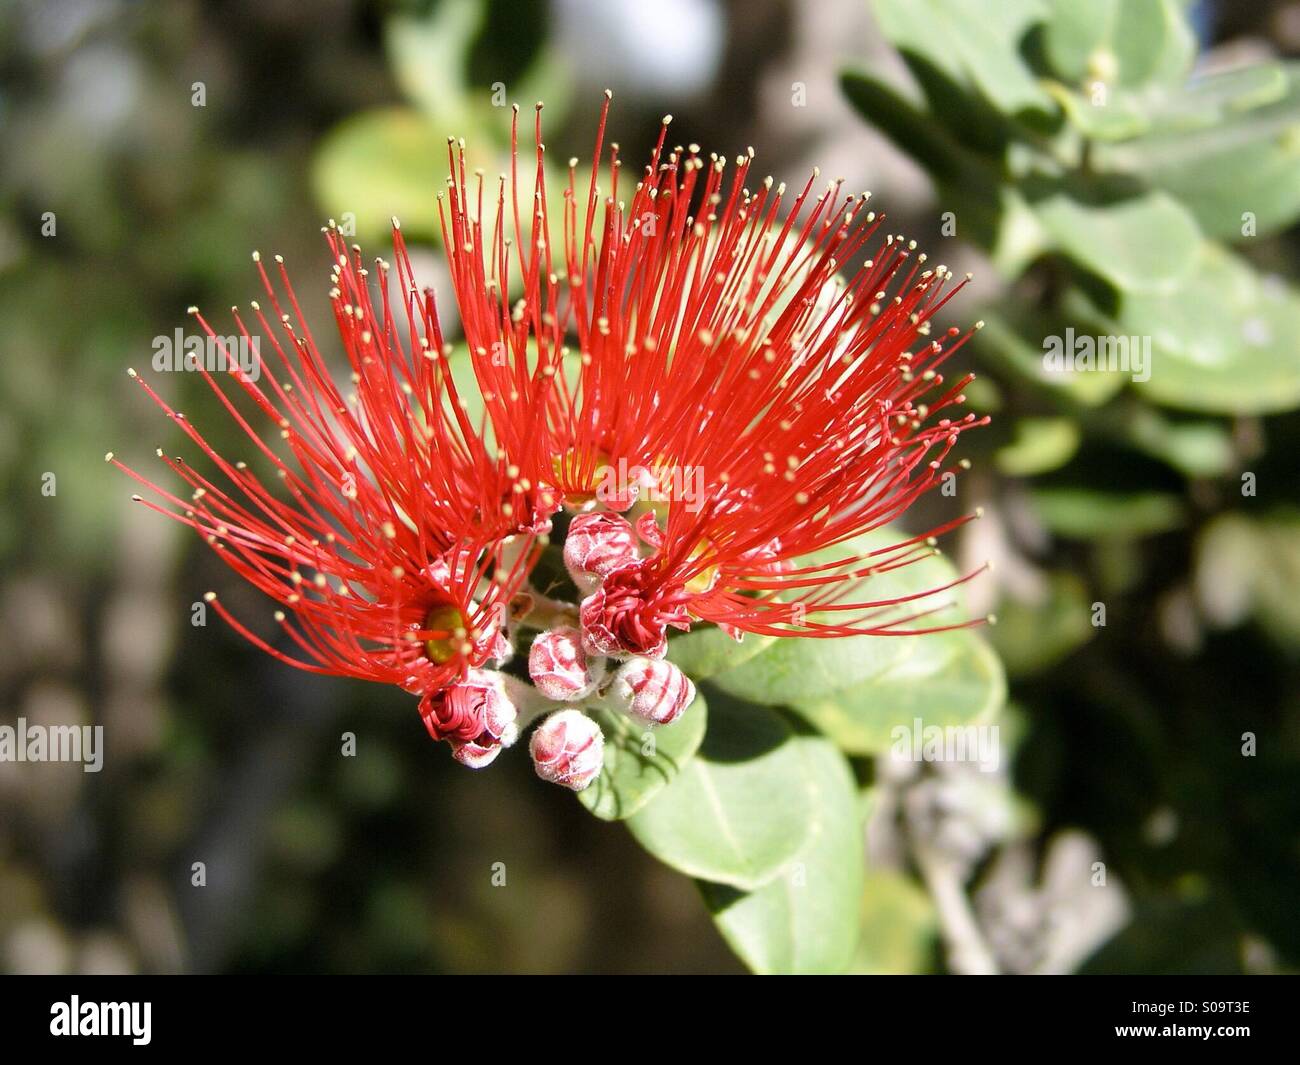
722,364
684,350
397,537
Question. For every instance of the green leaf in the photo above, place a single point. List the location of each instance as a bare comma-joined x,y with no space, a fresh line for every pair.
1114,116
1223,342
1124,42
1039,446
1194,448
741,809
1074,37
1232,173
380,164
806,919
1016,344
1001,222
1209,99
914,130
428,57
1278,594
1251,567
950,679
899,926
550,77
641,761
798,668
707,650
1138,243
976,47
1084,513
1240,161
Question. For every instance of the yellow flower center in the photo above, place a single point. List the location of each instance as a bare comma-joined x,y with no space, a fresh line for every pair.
703,580
446,619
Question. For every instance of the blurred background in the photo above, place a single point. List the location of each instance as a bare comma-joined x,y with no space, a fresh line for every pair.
149,147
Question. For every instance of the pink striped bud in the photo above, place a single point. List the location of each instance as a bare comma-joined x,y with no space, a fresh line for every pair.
560,668
474,715
568,748
595,546
653,690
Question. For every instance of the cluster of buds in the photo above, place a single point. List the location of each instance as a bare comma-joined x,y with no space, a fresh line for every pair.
591,664
604,561
484,712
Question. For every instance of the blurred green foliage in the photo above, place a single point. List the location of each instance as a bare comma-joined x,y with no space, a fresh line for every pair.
1149,524
393,160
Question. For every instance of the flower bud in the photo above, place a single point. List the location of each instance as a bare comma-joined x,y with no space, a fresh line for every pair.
595,546
655,691
628,615
568,748
474,715
560,668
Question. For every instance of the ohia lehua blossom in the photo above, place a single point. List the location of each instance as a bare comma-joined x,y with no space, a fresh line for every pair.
690,380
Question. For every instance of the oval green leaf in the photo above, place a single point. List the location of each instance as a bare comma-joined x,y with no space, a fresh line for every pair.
899,927
381,164
1223,342
1128,42
806,919
952,679
1138,243
796,668
707,650
741,809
